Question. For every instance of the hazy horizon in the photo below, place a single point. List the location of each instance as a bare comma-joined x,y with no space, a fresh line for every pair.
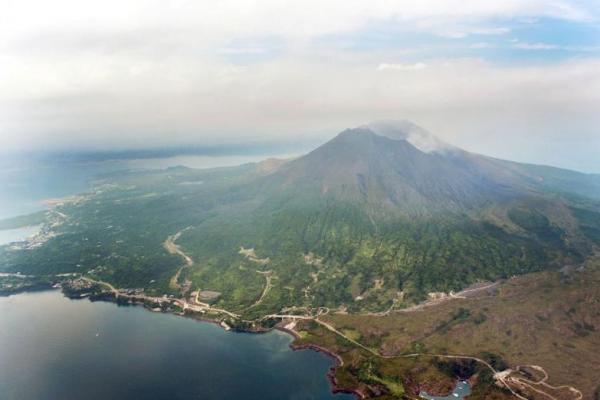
516,80
266,149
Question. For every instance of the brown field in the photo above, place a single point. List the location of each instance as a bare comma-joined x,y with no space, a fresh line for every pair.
549,319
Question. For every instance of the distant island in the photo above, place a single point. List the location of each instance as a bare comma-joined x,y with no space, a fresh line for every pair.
414,263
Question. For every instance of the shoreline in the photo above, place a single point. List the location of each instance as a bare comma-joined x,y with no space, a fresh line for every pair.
337,360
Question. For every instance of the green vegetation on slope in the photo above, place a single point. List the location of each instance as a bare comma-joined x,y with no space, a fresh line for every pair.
550,319
364,222
361,261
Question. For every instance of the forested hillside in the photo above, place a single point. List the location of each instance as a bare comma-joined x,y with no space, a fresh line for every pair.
364,222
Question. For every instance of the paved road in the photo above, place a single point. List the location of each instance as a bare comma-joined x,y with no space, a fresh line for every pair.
180,302
173,248
503,377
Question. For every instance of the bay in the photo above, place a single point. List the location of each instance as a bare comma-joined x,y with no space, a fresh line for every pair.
26,183
55,348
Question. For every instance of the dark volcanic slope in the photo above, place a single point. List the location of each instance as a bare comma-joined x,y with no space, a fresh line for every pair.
387,171
359,165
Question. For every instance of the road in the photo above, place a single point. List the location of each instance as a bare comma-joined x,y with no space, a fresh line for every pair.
184,304
196,306
502,377
505,378
268,285
463,294
173,248
519,380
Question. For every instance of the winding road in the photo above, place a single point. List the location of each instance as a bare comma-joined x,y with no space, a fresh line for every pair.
173,248
504,378
268,285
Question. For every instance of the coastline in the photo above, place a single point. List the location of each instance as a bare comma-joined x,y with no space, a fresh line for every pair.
337,360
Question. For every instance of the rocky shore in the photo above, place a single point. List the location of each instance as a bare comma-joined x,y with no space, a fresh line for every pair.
335,387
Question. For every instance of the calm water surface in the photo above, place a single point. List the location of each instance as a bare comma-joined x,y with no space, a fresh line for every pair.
18,234
461,390
55,348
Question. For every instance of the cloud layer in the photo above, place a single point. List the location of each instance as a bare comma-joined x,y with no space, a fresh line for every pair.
85,74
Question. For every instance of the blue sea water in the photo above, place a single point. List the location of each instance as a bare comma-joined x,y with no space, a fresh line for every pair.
461,390
55,348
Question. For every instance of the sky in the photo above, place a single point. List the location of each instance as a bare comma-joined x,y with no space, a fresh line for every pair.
515,79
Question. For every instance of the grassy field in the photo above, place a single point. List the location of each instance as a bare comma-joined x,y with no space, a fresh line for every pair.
549,319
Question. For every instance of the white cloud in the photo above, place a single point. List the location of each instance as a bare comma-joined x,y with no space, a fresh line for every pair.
461,30
119,99
549,46
215,20
491,31
535,46
481,45
154,71
402,67
243,50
